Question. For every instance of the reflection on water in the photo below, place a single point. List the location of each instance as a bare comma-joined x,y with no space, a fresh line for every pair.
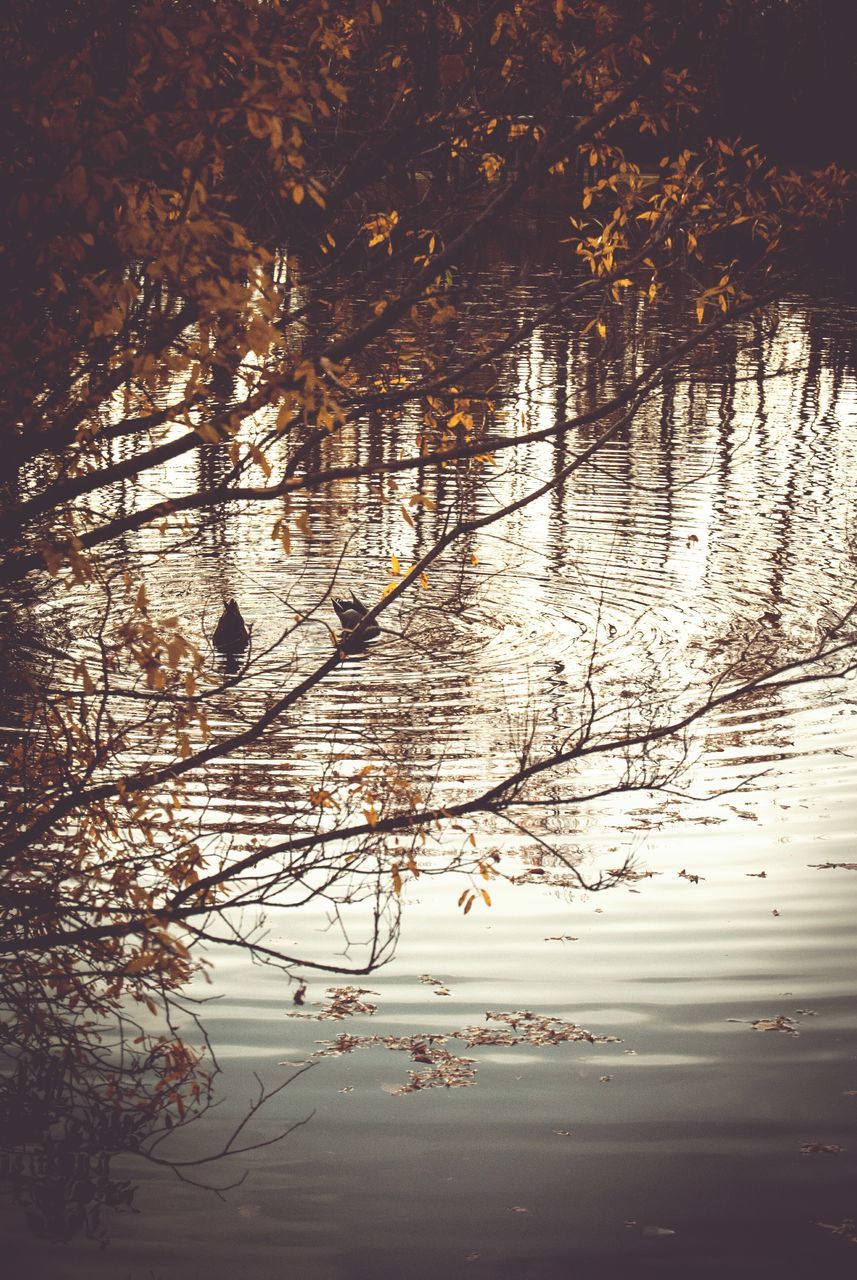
716,530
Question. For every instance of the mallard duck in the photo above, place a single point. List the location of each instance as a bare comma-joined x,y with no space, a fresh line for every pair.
351,613
231,634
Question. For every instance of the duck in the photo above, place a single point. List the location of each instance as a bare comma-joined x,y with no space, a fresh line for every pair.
231,634
351,613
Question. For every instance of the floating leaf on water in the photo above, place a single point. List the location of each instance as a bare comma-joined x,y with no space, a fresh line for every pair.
342,1044
632,1224
846,1228
525,1027
820,1148
779,1023
341,1002
447,1071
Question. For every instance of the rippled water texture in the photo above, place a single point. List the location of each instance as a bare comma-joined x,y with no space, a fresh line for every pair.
719,519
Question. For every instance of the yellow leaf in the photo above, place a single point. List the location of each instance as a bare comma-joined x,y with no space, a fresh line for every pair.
602,329
298,193
395,567
486,897
408,517
377,16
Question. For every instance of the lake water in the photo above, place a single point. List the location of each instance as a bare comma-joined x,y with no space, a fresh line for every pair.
718,528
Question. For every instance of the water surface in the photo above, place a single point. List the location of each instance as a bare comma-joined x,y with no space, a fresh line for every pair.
721,521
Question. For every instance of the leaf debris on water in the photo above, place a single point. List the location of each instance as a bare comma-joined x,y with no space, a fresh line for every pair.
446,1070
633,1225
820,1149
525,1027
439,988
778,1023
846,1228
342,1002
452,1071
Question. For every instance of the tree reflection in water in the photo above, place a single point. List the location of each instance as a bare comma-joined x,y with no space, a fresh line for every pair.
74,1096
